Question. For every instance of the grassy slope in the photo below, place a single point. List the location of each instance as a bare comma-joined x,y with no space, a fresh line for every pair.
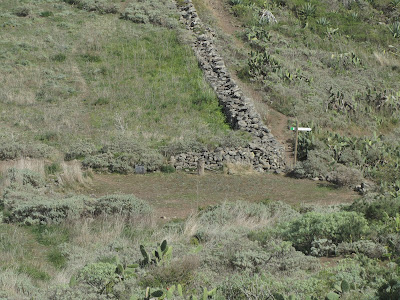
79,75
317,68
303,47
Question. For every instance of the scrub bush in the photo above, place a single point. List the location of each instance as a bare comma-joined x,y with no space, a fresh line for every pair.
15,149
366,247
121,204
34,209
80,150
99,275
337,226
29,207
25,177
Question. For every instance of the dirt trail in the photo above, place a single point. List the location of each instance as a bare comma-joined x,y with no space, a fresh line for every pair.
276,121
178,195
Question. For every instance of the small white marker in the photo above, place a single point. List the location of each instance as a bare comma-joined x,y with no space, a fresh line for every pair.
301,128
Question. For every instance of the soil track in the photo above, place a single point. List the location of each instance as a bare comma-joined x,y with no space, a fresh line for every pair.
178,195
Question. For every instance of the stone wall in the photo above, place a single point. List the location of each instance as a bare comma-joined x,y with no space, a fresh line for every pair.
264,152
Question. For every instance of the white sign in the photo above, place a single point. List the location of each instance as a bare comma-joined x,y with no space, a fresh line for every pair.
301,128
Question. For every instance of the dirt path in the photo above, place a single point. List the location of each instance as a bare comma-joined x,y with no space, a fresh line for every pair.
226,22
179,194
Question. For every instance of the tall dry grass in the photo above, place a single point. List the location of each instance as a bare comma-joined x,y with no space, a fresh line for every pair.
73,175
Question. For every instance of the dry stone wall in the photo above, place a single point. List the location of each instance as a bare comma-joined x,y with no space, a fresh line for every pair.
264,152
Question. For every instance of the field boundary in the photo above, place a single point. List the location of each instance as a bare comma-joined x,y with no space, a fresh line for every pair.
264,152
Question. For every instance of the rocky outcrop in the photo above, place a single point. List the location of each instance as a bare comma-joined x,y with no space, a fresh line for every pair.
264,152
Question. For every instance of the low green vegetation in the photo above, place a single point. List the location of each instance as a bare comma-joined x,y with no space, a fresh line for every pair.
234,250
74,73
334,66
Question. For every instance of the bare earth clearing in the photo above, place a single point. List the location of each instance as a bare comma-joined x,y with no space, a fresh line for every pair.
178,195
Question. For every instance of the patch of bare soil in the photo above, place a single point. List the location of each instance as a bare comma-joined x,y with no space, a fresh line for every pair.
178,195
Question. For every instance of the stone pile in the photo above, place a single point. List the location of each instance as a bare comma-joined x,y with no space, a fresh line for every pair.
264,152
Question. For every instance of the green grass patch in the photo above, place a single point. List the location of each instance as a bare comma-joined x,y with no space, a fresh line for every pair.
51,235
57,259
34,272
74,75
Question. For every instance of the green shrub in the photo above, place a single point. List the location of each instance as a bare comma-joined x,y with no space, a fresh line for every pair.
80,150
101,101
99,275
318,163
378,208
60,57
91,58
345,176
122,204
57,258
53,168
34,209
336,226
366,247
34,272
45,14
167,169
22,11
99,162
17,149
25,177
389,290
307,10
122,156
250,260
177,271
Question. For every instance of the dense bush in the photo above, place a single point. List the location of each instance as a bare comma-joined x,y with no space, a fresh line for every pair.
121,204
377,207
33,208
337,226
366,247
389,290
345,176
121,157
80,150
16,149
25,177
318,164
98,275
179,271
22,11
